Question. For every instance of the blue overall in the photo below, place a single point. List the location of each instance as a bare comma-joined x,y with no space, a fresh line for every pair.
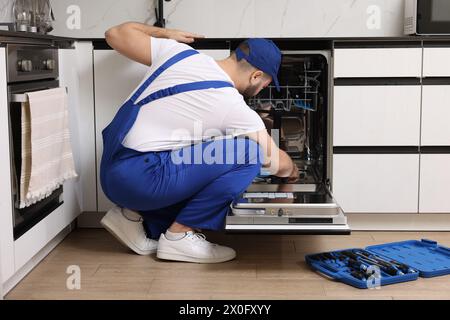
197,195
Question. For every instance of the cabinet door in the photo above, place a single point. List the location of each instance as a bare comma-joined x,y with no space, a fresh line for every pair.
75,73
436,62
116,77
434,183
378,62
436,115
376,183
6,206
376,115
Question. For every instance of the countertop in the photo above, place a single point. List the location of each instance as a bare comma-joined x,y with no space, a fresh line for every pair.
222,43
35,38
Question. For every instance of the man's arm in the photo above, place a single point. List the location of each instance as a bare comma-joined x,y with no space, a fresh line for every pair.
132,39
276,160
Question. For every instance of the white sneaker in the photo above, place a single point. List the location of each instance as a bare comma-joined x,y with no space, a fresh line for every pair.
127,227
193,247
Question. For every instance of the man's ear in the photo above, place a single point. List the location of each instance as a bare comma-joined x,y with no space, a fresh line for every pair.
257,75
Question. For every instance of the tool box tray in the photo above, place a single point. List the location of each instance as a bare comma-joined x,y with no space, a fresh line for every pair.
383,264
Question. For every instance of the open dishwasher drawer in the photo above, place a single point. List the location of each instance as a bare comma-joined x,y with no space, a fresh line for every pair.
287,208
298,117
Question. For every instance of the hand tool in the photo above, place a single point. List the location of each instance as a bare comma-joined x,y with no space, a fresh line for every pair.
358,265
358,275
389,270
403,267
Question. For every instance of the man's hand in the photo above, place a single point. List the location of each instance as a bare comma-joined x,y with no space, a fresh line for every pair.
182,36
294,176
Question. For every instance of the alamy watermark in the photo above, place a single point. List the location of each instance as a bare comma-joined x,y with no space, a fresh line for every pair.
73,281
213,146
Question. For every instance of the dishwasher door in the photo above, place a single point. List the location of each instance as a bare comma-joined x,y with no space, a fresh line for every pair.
287,208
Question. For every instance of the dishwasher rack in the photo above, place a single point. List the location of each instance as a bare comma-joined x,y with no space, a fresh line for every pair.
303,95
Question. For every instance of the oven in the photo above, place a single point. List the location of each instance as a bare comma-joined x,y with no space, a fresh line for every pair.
427,17
30,67
299,118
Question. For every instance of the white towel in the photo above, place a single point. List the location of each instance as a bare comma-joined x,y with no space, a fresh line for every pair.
47,159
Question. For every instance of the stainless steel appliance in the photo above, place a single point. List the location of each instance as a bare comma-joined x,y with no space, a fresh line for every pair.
301,114
427,17
29,68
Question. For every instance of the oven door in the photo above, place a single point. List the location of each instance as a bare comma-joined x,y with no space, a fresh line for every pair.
25,218
287,208
433,17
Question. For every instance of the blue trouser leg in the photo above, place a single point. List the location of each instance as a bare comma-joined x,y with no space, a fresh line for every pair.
159,220
199,195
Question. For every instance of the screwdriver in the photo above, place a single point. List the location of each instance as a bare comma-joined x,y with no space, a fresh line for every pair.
358,275
389,270
403,267
357,264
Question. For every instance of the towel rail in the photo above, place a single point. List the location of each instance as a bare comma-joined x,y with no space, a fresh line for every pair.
23,97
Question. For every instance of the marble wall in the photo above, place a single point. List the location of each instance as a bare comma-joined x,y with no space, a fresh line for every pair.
236,18
287,18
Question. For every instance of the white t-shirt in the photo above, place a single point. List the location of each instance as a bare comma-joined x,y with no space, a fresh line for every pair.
183,119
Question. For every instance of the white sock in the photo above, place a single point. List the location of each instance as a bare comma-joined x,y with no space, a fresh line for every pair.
174,235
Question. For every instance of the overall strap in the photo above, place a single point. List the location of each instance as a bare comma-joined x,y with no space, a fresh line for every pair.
176,58
185,87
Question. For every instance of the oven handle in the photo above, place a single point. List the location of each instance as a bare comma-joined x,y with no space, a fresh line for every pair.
23,97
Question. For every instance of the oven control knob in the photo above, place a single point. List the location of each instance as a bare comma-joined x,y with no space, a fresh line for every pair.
25,65
280,212
49,64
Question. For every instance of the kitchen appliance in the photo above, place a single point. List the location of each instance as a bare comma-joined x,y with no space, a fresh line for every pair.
427,17
299,118
33,15
30,67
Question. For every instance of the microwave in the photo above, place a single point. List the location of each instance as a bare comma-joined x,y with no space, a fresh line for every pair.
427,17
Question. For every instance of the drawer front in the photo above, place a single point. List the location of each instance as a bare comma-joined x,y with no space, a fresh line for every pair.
436,62
434,183
376,183
435,115
391,62
376,115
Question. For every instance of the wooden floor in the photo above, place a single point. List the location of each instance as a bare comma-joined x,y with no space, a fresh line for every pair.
267,267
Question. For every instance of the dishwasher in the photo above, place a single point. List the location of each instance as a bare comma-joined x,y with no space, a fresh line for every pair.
299,119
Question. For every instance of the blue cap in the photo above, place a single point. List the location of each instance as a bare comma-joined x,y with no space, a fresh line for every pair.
263,55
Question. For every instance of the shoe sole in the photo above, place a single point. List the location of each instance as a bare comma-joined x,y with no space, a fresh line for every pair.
119,235
180,257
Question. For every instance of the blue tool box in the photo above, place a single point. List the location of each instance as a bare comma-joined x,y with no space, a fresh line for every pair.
383,264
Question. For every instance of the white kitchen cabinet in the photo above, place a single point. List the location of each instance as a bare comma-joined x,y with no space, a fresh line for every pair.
377,62
6,213
376,115
434,183
435,115
376,183
116,77
76,73
436,62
